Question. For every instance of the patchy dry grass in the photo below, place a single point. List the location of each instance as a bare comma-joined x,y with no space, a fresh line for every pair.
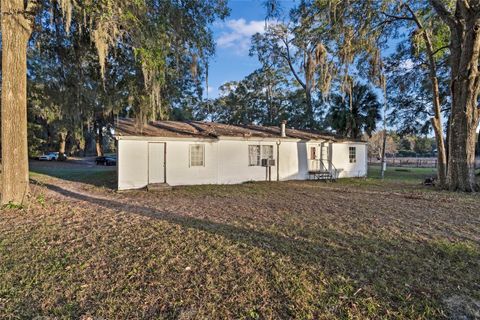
351,250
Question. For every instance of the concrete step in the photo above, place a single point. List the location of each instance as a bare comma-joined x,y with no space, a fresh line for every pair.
159,187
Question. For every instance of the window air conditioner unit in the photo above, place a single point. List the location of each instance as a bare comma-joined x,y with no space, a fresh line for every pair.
268,162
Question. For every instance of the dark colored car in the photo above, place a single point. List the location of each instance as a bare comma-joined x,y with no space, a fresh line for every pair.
106,161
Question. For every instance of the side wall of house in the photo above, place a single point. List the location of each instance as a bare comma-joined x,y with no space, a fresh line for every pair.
227,162
132,164
293,160
341,159
179,170
233,161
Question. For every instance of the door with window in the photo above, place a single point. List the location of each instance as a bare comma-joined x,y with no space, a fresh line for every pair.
156,162
313,158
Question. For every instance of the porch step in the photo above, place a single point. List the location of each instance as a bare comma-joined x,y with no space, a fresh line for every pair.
321,175
159,187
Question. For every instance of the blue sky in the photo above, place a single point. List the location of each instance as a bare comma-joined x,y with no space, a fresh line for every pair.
233,35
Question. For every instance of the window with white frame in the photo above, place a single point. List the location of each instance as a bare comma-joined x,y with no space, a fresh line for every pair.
352,154
256,153
197,155
267,152
254,156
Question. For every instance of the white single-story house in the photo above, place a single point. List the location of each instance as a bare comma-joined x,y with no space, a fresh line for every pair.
195,152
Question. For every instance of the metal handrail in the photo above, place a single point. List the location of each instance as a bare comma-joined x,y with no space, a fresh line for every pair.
333,171
323,166
330,167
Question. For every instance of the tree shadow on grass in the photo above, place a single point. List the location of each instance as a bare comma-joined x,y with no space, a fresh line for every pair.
98,177
399,272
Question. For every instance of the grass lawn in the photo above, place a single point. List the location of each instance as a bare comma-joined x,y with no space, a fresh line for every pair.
98,176
402,174
355,249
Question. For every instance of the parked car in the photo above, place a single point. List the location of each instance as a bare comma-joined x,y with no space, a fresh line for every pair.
106,161
50,156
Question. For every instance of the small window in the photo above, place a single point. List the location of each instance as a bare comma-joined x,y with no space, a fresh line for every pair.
197,155
267,152
352,154
313,153
254,155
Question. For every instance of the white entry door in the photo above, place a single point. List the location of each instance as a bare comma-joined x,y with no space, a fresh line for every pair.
156,162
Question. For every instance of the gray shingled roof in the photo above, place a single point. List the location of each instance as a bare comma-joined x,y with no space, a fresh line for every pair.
199,129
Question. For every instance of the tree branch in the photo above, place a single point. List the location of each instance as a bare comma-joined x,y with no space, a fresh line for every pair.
397,17
443,12
440,49
289,61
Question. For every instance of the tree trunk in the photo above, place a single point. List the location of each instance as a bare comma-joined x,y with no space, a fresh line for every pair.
309,112
441,152
87,136
461,164
48,145
437,119
69,143
437,110
268,96
62,141
383,155
461,167
464,26
464,119
437,123
15,34
478,145
99,141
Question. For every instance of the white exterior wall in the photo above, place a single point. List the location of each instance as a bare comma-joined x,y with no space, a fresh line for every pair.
132,164
341,161
233,161
226,161
179,171
293,160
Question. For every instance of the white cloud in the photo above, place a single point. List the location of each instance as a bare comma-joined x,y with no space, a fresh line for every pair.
407,64
212,92
238,34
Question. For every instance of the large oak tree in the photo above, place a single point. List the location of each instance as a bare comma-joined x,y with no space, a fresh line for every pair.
105,20
141,26
463,19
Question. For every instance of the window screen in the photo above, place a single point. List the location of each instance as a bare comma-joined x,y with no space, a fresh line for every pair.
352,154
254,155
197,155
